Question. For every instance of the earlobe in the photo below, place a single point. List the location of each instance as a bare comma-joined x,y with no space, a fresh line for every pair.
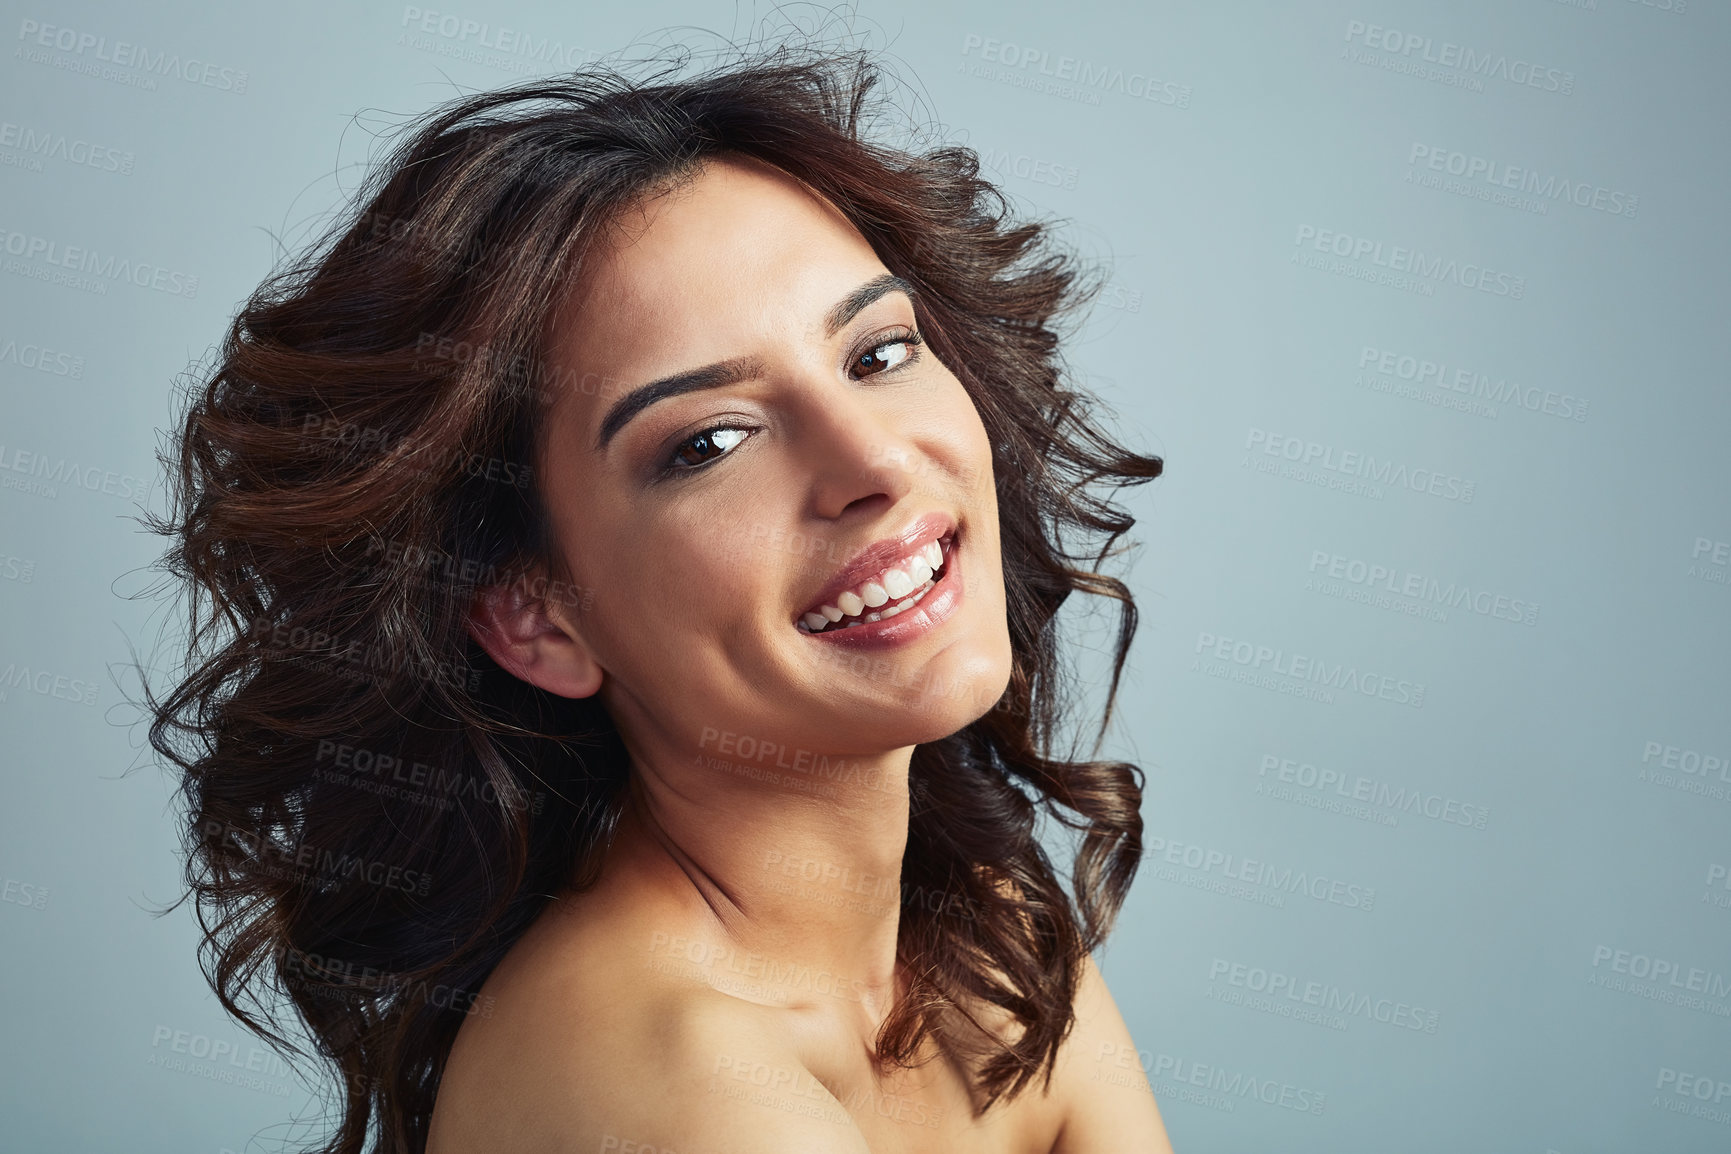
517,632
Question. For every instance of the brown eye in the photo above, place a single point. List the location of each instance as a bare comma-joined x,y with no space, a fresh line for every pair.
872,361
706,446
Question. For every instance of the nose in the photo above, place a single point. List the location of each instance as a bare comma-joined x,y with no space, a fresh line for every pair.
861,460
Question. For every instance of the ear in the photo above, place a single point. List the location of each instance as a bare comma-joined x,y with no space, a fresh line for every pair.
518,631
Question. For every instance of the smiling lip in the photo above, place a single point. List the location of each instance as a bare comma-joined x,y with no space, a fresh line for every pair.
938,605
879,555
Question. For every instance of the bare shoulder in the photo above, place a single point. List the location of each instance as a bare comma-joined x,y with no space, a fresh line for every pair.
1107,1104
588,1047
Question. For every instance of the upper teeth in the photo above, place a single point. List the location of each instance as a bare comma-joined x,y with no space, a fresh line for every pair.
903,583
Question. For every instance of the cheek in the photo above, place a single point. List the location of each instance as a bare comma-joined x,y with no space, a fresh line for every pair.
678,589
973,443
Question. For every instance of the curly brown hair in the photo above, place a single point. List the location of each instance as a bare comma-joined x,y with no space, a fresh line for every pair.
376,811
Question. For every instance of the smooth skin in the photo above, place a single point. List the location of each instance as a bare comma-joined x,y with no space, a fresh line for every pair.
717,991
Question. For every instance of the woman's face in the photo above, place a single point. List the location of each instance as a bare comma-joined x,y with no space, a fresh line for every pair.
712,521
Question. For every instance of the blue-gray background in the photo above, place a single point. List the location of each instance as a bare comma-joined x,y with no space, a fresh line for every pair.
1425,307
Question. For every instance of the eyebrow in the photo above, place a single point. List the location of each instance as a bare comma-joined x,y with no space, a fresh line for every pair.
736,369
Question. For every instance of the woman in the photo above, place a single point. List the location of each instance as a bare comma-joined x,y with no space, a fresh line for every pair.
631,548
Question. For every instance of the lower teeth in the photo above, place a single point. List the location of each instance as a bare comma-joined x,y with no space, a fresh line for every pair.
888,611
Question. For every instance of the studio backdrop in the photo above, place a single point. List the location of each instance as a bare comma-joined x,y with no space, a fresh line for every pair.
1425,307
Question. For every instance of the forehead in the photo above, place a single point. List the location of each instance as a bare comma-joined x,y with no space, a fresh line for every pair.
736,253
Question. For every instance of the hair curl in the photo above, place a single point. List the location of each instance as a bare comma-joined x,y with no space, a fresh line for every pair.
359,462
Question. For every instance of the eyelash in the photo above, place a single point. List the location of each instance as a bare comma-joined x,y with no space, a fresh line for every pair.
907,336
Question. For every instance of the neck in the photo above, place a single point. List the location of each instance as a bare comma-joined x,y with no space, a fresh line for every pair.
796,860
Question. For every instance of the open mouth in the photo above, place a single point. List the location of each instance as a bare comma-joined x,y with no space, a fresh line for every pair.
894,589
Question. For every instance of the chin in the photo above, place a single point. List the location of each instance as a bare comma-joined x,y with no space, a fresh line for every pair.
958,690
